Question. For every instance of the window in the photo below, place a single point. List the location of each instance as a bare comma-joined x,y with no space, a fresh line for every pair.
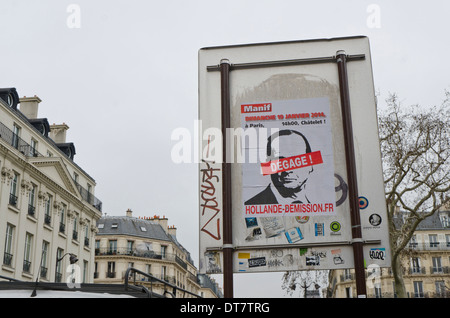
433,240
85,271
16,134
441,290
112,247
418,289
111,273
437,265
445,220
27,252
87,234
33,148
7,257
164,273
163,251
129,247
415,265
31,201
348,292
413,242
47,209
143,229
45,249
62,219
75,228
58,273
13,190
89,194
114,225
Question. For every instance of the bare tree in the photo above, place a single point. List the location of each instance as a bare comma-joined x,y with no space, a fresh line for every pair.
415,147
305,281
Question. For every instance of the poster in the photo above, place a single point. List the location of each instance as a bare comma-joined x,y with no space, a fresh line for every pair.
294,175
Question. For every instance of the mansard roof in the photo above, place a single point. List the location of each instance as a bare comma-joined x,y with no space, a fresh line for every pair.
125,225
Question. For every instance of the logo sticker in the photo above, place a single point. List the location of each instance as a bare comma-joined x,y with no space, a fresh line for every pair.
377,253
319,229
335,226
363,203
256,262
375,220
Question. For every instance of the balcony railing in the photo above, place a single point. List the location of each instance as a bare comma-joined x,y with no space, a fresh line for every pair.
89,197
26,266
416,270
31,210
11,138
62,227
43,272
12,199
47,219
58,277
440,270
146,254
7,259
430,246
111,274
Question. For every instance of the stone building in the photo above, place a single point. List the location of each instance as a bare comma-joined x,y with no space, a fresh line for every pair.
426,265
48,210
149,245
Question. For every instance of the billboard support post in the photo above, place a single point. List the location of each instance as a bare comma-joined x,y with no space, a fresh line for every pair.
357,241
226,181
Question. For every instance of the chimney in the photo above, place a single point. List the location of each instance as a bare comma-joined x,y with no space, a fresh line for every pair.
161,221
58,133
29,106
129,213
173,230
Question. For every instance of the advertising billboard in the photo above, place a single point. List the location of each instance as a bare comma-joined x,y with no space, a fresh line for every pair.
289,183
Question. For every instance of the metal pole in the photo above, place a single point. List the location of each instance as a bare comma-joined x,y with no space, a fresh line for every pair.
226,182
357,241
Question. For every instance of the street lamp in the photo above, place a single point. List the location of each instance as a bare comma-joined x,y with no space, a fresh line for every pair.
73,259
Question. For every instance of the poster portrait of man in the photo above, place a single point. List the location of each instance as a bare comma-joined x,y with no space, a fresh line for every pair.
286,186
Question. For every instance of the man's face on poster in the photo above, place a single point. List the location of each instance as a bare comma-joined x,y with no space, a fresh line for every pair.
285,146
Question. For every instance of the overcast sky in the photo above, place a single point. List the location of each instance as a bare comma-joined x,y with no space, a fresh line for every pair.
124,75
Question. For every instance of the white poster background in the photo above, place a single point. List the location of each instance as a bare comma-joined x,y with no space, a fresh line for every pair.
288,83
